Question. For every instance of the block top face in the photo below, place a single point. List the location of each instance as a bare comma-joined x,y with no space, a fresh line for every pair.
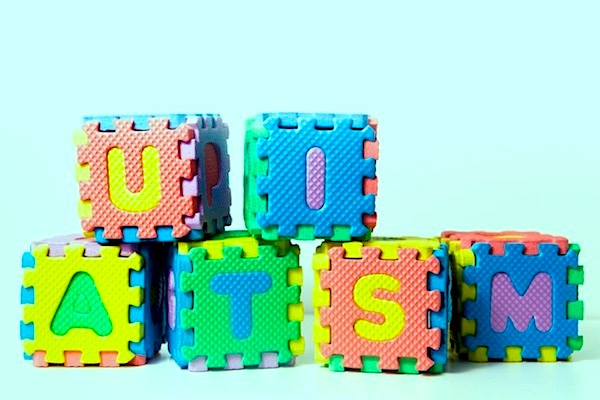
311,176
497,240
56,246
323,121
389,246
243,239
140,121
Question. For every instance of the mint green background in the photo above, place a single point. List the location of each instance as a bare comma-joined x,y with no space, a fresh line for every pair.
489,111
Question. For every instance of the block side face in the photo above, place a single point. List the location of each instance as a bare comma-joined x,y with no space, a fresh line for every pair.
134,180
521,301
152,312
250,294
177,301
82,305
253,167
315,160
380,308
441,319
213,176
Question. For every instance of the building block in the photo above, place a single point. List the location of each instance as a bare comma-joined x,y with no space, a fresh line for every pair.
234,302
153,177
310,176
89,304
382,305
516,295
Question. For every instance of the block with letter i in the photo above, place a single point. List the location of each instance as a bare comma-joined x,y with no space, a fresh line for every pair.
310,176
382,305
153,177
234,302
86,304
516,295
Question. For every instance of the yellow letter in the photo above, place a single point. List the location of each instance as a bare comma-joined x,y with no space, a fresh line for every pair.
392,311
147,198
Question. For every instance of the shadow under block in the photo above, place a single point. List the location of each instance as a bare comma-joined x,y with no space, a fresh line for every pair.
310,176
234,302
153,178
382,305
84,303
516,296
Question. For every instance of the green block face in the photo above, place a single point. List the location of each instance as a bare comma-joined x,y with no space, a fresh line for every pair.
241,296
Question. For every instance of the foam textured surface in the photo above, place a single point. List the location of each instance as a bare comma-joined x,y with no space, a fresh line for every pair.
399,322
310,176
519,301
88,309
153,178
252,290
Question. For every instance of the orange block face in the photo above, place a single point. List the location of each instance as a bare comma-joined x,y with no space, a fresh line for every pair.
377,308
134,178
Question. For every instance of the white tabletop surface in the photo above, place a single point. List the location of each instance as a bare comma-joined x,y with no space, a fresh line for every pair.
307,380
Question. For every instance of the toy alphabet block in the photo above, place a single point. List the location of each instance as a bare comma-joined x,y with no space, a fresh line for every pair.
90,304
516,295
382,305
234,302
153,178
310,176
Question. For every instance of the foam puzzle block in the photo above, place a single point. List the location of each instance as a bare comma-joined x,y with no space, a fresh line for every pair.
89,304
234,302
153,177
516,295
310,176
382,305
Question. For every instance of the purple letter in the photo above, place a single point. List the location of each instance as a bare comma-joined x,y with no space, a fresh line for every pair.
535,303
315,178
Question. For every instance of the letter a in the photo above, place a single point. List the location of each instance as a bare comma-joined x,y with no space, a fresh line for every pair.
81,307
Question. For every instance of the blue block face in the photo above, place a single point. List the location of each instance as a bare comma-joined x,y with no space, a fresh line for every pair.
521,301
316,168
440,319
177,300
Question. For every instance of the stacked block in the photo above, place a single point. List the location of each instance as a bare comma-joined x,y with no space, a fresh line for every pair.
310,176
516,295
90,304
153,178
382,305
155,264
234,302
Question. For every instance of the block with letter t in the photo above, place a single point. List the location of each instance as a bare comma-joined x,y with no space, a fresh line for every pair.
516,295
234,302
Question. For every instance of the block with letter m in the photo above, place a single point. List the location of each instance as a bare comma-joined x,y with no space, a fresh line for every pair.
516,295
